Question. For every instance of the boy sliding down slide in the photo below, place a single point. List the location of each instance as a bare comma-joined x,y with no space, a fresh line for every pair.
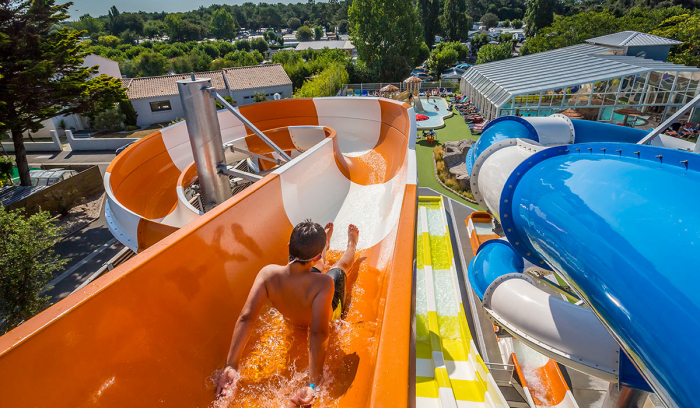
303,294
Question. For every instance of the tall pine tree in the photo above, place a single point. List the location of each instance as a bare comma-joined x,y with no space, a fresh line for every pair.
539,14
42,73
456,21
430,19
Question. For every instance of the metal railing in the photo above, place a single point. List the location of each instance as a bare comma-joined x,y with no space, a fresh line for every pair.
365,89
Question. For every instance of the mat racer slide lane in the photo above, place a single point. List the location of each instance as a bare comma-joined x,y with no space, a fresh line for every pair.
449,370
154,330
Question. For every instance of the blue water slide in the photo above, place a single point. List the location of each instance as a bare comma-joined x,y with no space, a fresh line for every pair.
588,131
495,259
620,222
506,127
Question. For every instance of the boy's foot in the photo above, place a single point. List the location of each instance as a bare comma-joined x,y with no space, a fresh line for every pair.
329,233
353,235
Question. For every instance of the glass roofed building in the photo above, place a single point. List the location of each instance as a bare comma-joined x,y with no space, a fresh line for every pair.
597,78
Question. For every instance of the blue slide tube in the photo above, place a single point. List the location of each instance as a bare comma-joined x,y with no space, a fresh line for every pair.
506,127
621,223
494,258
587,131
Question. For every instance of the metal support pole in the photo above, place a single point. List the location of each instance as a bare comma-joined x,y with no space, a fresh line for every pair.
205,138
251,126
623,397
668,122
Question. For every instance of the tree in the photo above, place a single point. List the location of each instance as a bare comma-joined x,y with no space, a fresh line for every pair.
387,35
223,26
110,119
517,24
456,22
27,263
494,52
445,55
539,14
150,63
318,33
260,45
343,26
238,58
128,37
566,31
304,33
489,20
154,29
180,30
684,28
280,40
259,97
89,24
293,23
505,37
243,45
478,41
506,23
269,35
109,41
43,74
430,19
423,54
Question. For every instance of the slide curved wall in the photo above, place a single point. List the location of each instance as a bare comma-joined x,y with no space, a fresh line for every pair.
617,221
154,330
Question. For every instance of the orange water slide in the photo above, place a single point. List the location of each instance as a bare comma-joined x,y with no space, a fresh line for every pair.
153,331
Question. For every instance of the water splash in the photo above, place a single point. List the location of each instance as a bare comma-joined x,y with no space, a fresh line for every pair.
275,362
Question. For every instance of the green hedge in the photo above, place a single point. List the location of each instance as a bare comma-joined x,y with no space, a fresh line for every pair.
326,83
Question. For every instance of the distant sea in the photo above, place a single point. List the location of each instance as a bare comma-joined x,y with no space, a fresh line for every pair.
98,8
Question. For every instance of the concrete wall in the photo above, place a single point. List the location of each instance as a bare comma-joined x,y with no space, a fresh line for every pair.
67,193
94,143
240,96
53,146
147,117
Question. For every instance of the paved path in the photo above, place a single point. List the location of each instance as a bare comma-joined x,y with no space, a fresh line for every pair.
67,157
88,249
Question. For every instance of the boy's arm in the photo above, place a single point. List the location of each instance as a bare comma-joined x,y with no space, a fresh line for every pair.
241,333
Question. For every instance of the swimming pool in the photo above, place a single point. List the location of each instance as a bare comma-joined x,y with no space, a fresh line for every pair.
435,117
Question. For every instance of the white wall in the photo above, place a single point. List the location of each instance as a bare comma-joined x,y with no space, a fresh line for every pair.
107,66
53,146
97,144
147,117
240,96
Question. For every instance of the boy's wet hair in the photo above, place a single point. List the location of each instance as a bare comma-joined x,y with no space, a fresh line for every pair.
307,241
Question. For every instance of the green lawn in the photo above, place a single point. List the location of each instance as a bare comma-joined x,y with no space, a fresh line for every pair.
455,129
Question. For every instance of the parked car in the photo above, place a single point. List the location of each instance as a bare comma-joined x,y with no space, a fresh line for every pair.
121,149
50,177
463,66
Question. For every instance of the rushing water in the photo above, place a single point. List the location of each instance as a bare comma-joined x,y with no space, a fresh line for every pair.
275,360
530,361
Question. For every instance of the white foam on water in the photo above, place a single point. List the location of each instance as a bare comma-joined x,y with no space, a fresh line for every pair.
530,360
421,295
447,305
435,225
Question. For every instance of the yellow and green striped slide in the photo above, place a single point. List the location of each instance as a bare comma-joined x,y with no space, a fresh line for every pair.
449,370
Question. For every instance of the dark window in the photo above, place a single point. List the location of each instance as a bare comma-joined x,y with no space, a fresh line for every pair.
160,106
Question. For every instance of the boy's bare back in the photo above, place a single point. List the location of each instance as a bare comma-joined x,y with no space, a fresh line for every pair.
294,295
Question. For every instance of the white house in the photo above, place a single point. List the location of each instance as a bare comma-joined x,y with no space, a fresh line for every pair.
76,122
156,99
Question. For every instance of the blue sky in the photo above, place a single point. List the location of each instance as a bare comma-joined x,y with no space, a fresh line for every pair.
100,7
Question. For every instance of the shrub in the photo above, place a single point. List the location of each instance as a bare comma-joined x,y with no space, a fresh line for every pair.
28,261
131,128
129,112
6,165
259,97
110,119
327,83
